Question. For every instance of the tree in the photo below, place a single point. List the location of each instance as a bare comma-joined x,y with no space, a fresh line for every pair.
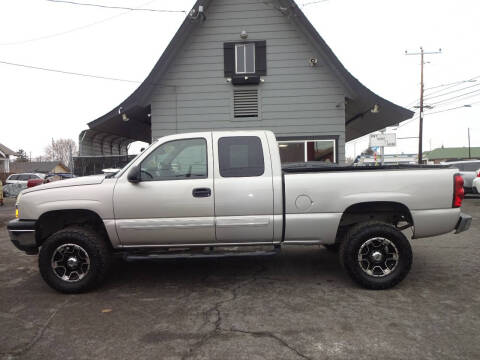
368,151
21,156
61,150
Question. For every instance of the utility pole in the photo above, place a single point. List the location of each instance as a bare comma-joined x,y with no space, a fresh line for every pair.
422,53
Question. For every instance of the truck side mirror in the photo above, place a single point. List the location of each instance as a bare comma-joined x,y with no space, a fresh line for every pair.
134,175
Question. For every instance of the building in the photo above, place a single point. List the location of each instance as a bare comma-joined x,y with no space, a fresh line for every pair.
452,154
5,154
43,167
243,64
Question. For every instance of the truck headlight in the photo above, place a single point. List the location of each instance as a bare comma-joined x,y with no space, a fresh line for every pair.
17,209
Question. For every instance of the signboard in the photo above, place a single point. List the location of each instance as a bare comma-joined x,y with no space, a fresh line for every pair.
383,140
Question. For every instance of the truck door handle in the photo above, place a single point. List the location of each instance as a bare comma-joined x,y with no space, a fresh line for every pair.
201,192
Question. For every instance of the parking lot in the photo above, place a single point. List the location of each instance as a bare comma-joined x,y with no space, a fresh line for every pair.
297,305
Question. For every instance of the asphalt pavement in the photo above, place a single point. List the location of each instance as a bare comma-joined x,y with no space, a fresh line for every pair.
296,305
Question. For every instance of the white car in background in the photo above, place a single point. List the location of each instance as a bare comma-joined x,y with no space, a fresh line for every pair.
476,183
469,170
23,178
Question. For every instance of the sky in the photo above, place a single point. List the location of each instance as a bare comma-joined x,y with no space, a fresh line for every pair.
368,36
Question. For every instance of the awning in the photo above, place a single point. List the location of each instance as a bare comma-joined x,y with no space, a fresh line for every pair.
111,134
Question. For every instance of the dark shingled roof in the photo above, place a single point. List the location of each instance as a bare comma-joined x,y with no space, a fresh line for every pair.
44,167
359,119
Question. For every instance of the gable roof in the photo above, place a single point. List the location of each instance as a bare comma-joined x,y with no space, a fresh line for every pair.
44,167
453,153
359,119
6,151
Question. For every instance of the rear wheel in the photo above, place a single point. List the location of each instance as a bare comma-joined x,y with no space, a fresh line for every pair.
376,255
74,260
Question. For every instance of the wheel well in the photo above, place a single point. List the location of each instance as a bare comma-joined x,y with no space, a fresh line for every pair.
393,213
53,221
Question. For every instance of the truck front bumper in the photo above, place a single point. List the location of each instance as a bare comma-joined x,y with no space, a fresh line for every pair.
463,223
22,235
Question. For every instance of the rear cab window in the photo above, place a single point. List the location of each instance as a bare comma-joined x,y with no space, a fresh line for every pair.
241,156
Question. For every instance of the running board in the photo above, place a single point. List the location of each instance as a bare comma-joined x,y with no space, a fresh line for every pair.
166,256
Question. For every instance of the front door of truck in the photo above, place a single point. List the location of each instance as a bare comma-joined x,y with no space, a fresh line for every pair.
173,203
243,189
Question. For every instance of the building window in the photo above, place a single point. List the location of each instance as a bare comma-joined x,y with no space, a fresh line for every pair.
245,58
240,156
307,150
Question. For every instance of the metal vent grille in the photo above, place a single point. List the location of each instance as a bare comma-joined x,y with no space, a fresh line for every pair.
245,103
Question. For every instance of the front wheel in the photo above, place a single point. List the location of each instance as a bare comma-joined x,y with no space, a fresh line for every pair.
74,260
376,255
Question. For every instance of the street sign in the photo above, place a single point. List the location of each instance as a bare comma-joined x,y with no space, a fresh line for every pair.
383,140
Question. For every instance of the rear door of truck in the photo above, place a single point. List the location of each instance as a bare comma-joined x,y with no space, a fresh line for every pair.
243,188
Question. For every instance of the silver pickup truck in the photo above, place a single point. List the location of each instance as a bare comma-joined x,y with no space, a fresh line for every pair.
208,194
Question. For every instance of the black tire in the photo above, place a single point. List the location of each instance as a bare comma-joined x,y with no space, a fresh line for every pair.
386,273
84,240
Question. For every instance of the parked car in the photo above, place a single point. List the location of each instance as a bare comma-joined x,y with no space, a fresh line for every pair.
207,194
476,184
23,178
34,182
468,169
57,177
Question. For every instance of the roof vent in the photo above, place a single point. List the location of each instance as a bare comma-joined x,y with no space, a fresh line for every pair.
245,103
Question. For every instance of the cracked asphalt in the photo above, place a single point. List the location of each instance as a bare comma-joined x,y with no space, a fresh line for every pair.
296,305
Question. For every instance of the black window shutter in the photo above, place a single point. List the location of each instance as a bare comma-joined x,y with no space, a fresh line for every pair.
229,59
260,58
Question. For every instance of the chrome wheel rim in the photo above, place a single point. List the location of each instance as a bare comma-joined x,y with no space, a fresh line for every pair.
378,257
70,262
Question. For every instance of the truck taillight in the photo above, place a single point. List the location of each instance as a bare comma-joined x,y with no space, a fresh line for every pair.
458,191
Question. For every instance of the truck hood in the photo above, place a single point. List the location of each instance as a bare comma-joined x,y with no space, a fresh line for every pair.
85,180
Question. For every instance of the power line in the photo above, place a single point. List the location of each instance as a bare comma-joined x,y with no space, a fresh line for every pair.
456,97
313,2
450,92
445,87
68,72
453,83
441,111
453,86
408,121
117,7
73,29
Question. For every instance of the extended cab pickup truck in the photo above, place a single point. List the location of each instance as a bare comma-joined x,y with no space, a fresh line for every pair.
207,194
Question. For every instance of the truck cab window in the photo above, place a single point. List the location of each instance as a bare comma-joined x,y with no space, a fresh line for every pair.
176,160
240,156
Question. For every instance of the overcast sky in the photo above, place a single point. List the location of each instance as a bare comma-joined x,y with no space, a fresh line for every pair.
369,37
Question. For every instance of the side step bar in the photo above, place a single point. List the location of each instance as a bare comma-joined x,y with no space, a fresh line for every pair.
165,256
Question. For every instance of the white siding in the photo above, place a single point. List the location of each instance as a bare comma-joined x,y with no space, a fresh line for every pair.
296,99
